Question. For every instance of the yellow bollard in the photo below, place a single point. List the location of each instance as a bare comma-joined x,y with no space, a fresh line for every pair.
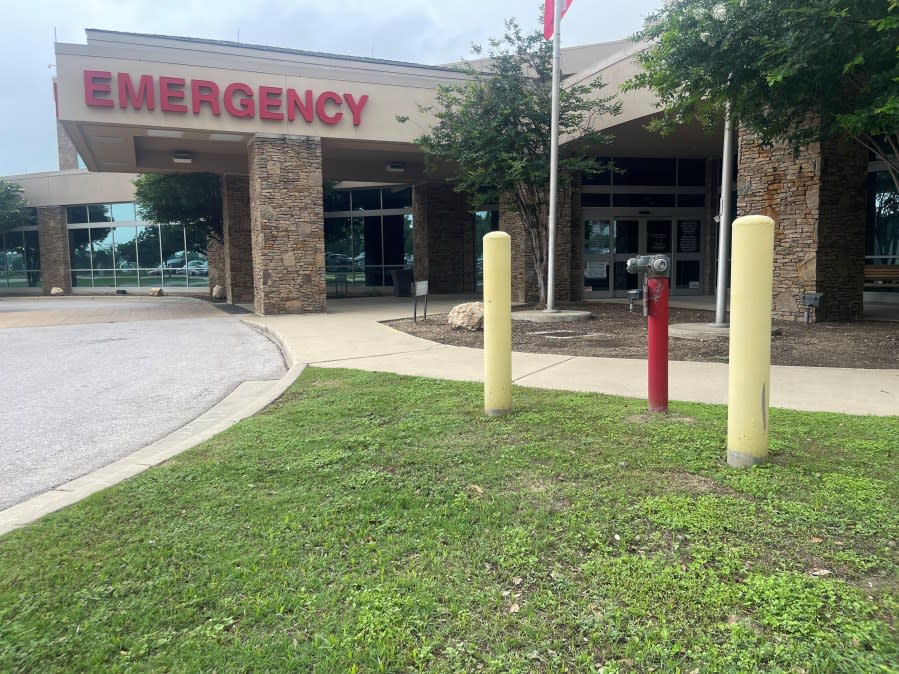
749,374
497,323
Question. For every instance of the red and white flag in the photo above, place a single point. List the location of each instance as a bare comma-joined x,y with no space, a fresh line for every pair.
549,8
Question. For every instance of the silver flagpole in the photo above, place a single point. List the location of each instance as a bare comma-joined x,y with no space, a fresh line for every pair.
727,178
554,159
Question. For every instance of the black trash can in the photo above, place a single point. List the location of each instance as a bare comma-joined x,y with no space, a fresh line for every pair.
402,282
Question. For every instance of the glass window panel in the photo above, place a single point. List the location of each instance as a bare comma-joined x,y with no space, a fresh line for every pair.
647,172
409,239
367,200
691,172
691,200
32,253
172,246
644,200
599,178
98,213
123,212
397,197
14,253
394,239
688,236
658,236
80,248
102,245
76,215
597,237
373,258
627,236
687,274
337,200
623,280
590,200
197,243
4,253
882,232
126,256
338,245
147,242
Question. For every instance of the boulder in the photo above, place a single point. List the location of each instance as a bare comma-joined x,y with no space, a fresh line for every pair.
155,292
218,292
56,290
468,316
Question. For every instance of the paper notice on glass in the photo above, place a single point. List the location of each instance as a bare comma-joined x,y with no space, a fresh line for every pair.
597,270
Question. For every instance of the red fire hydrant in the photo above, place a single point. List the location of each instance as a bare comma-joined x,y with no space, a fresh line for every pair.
655,269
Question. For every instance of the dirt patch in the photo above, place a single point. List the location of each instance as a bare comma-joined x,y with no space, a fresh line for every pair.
615,332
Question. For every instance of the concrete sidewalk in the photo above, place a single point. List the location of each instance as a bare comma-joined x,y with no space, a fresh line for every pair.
350,335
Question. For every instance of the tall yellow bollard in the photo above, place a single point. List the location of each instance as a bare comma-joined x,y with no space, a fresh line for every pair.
497,323
749,375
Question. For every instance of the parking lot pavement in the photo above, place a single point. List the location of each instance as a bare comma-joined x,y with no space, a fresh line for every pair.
79,396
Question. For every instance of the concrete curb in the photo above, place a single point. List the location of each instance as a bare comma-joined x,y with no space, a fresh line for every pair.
244,401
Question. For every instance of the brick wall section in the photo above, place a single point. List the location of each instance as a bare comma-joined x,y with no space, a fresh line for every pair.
215,256
66,152
569,271
840,265
443,238
238,241
817,201
287,221
53,237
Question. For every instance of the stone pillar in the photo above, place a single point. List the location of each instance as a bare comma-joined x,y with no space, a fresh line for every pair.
817,200
238,241
287,223
65,148
569,271
443,238
53,236
215,256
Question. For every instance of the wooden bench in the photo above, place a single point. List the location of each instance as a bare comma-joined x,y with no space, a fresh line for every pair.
880,275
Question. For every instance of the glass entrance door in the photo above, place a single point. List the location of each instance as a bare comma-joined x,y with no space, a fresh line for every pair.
610,241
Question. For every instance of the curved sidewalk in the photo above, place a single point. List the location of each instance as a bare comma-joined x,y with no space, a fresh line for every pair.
350,335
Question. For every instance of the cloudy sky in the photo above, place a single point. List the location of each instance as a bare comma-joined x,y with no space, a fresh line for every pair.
424,31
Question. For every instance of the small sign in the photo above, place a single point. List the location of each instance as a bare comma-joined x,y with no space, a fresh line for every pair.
597,270
694,285
421,288
688,236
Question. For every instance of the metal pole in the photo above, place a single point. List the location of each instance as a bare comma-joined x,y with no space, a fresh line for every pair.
727,178
554,160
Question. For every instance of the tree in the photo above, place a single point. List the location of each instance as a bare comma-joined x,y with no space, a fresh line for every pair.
192,199
494,130
14,210
780,64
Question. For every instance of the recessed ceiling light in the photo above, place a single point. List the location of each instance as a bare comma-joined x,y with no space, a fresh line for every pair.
226,137
182,157
165,133
107,139
396,167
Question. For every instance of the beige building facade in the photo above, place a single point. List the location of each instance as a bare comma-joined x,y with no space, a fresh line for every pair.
282,127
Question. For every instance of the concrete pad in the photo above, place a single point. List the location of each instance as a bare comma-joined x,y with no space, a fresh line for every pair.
562,316
698,331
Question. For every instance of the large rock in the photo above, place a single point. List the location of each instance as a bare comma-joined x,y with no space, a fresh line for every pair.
155,292
468,316
218,293
56,290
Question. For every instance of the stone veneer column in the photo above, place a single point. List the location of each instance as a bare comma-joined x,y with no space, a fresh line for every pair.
817,200
215,256
53,239
287,221
569,270
65,149
238,240
443,238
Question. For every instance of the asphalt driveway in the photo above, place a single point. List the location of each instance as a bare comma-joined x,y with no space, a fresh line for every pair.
115,376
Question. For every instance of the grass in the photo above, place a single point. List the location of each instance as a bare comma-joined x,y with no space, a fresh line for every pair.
377,523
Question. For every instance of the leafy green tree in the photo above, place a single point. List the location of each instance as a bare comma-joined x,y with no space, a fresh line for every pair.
192,199
14,210
494,130
780,64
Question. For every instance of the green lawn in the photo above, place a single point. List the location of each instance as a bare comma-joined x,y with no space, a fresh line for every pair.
371,522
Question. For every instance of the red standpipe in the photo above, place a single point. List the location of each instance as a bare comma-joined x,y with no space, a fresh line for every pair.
657,311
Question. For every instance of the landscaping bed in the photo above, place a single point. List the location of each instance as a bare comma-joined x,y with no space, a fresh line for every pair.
615,332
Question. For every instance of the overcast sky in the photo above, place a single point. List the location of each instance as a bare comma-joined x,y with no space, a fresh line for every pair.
423,31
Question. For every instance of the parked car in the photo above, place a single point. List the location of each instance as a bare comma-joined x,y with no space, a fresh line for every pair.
198,268
337,262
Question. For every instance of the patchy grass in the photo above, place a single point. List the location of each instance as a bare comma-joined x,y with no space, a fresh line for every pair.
376,523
